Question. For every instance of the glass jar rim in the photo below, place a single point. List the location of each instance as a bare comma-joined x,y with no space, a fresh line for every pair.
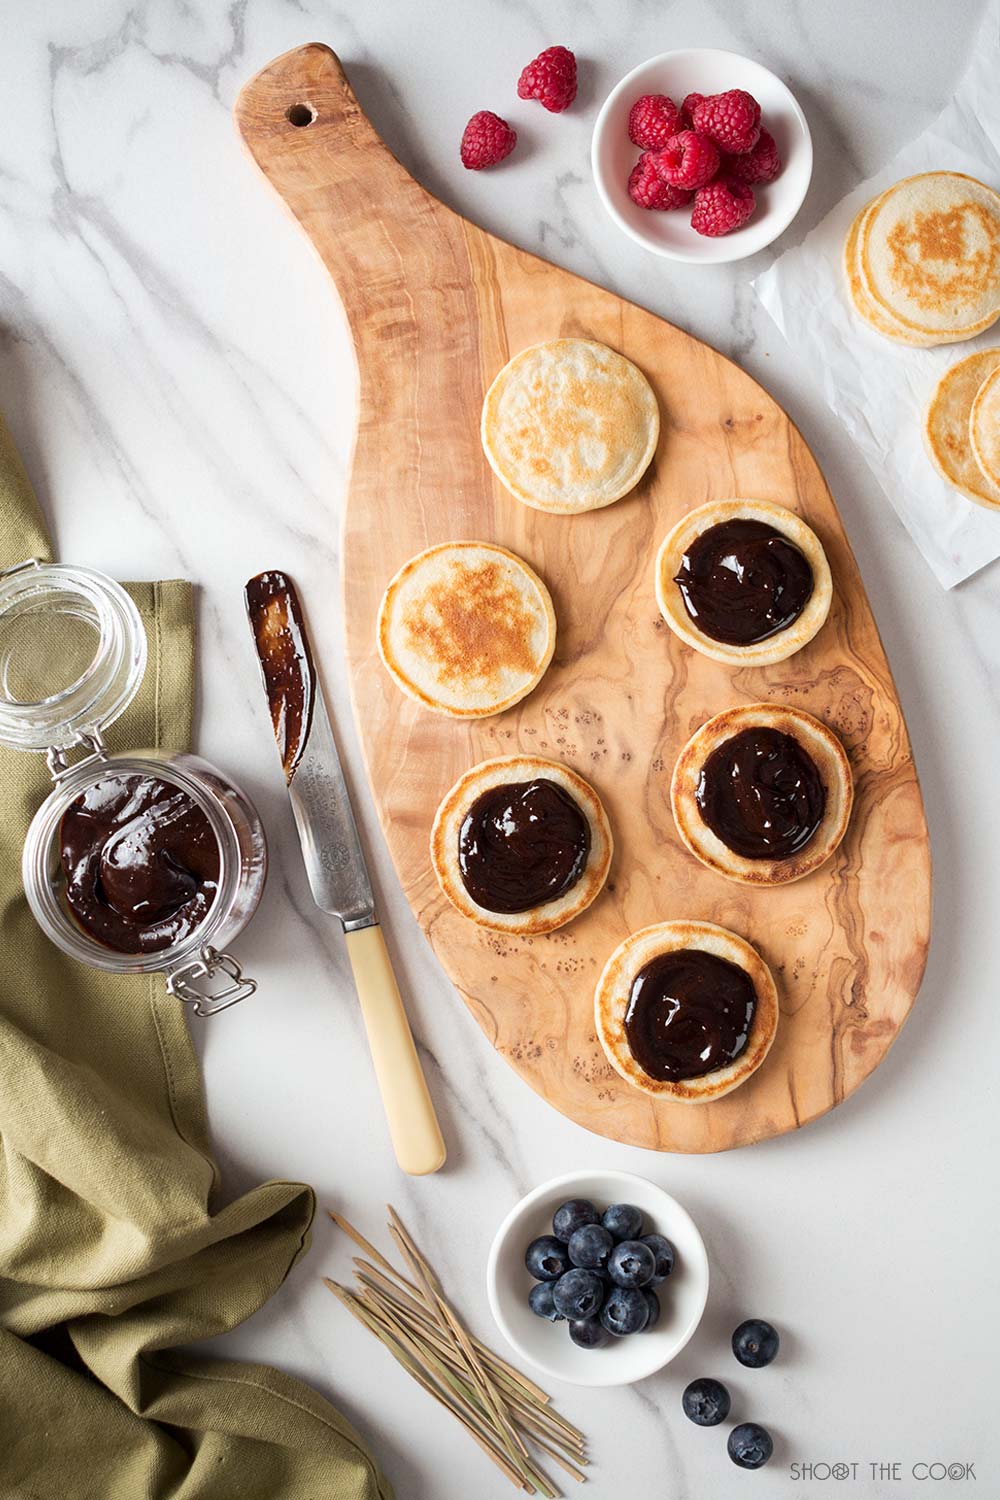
107,684
50,913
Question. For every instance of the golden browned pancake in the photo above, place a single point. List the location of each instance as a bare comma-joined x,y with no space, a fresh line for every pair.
518,770
827,754
569,426
929,255
947,435
984,434
614,990
877,317
783,643
466,628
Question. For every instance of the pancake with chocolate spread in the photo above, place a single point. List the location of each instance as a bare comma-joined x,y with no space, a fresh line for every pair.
686,1011
467,629
521,844
743,581
569,426
762,794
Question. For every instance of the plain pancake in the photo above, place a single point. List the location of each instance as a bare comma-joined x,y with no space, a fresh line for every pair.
947,427
466,628
984,432
776,647
570,426
827,754
875,316
929,255
615,986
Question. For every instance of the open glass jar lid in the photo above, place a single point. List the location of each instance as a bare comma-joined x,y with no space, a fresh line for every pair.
142,863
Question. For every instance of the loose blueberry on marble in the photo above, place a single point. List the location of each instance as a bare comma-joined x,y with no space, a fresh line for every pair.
755,1343
664,1254
623,1221
632,1264
541,1302
571,1216
578,1294
589,1333
546,1258
706,1402
625,1311
590,1247
750,1445
653,1306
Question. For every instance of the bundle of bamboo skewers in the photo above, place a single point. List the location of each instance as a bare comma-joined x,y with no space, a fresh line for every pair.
500,1408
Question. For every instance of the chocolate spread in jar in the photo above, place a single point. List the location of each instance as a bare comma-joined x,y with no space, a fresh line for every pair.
742,581
141,863
761,793
522,845
689,1013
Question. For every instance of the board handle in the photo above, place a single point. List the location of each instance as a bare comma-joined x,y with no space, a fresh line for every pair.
416,1135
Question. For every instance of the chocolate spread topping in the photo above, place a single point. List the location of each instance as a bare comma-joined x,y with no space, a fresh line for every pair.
761,794
285,661
141,863
522,845
742,581
689,1013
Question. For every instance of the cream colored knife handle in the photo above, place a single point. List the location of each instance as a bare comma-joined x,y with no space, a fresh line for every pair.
416,1135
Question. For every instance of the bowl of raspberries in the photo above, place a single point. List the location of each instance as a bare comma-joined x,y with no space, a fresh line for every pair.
702,155
599,1278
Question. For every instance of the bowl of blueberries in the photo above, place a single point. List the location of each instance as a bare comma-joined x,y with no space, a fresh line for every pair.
599,1278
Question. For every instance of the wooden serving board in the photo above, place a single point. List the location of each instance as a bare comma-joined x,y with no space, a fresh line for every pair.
436,306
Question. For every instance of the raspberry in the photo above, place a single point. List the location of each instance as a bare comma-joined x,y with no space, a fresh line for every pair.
688,160
731,120
688,108
722,206
486,140
551,79
762,164
647,188
652,120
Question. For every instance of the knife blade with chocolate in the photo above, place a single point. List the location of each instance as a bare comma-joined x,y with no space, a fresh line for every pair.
334,861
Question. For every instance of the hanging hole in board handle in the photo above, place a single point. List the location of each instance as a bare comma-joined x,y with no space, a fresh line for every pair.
300,114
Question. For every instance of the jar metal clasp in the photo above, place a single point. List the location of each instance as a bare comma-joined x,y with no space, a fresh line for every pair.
183,983
89,740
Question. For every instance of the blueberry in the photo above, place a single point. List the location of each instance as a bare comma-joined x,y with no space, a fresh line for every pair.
578,1294
590,1247
541,1302
755,1343
750,1445
653,1305
546,1258
571,1216
589,1333
625,1311
706,1402
632,1264
623,1221
663,1250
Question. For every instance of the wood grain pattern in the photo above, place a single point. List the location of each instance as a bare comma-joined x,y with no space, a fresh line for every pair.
435,307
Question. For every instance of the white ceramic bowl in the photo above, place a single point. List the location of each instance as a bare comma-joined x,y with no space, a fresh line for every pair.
704,70
548,1346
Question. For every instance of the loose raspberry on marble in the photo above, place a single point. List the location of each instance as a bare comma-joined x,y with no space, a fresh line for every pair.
486,140
550,78
731,120
722,206
647,188
688,160
652,121
760,165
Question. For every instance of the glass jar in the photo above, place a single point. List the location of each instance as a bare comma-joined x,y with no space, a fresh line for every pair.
72,656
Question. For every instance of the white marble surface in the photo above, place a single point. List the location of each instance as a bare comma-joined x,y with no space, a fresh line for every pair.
175,373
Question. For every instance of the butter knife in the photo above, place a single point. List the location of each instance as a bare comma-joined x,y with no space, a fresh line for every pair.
335,865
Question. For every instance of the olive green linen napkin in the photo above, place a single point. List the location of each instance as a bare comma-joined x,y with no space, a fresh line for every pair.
111,1252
